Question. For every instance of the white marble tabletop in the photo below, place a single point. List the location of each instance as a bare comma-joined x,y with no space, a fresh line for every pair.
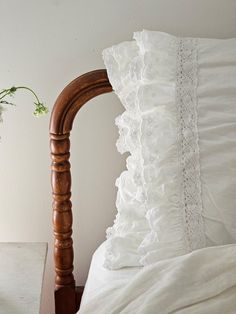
21,276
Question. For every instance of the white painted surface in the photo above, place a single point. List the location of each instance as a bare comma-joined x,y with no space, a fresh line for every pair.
45,44
21,277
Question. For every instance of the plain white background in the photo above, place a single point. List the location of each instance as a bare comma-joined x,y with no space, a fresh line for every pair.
45,44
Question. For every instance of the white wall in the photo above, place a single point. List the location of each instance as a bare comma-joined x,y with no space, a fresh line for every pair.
45,44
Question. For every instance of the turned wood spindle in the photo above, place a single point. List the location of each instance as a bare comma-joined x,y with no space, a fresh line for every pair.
62,213
71,99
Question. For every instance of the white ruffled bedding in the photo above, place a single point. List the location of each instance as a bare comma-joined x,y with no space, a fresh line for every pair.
100,278
201,282
179,126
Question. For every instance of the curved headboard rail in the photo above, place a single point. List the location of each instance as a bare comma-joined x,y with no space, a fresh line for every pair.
71,99
74,96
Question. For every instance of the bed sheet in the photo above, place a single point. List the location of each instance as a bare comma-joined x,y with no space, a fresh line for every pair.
99,278
200,282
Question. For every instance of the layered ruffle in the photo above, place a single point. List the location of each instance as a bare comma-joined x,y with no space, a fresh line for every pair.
159,141
130,225
150,224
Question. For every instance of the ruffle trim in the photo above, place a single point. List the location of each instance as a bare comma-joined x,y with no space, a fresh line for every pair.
152,221
130,226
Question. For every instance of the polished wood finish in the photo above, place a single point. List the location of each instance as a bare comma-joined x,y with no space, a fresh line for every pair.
71,99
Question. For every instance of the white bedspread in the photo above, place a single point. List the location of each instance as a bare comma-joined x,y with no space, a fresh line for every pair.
100,278
202,282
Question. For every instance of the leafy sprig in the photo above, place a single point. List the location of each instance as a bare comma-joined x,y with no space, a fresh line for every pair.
40,108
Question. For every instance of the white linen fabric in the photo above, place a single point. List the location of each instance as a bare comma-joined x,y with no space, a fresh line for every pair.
99,278
180,128
130,226
201,282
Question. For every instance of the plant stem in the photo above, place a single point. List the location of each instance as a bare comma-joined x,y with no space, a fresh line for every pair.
3,91
40,108
29,89
6,91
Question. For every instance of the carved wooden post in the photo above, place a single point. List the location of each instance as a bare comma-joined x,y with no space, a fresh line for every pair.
62,222
72,98
62,214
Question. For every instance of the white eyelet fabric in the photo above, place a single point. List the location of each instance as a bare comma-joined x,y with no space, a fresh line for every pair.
180,129
130,225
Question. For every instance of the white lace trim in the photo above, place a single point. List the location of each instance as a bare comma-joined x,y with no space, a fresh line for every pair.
186,102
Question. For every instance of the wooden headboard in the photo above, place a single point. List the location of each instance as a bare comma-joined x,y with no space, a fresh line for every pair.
71,99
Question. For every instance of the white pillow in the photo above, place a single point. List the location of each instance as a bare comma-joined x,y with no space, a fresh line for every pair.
130,226
185,101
